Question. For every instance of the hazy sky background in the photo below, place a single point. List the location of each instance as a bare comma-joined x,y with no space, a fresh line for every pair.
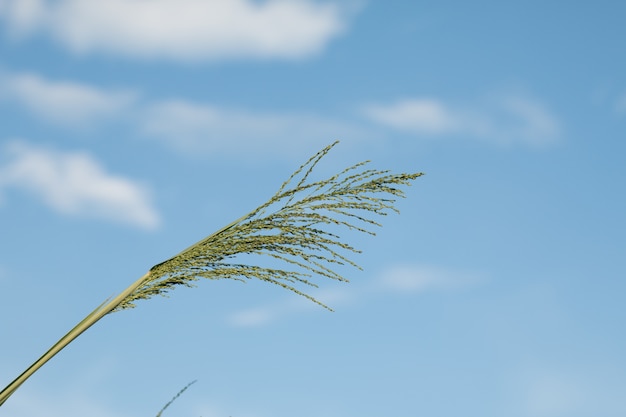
129,129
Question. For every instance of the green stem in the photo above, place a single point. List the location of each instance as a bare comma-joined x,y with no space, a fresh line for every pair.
101,311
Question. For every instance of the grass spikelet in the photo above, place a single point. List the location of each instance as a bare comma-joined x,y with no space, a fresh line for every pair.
291,233
288,227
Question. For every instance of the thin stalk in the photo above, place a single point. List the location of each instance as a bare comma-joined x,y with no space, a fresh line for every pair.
101,311
292,233
175,397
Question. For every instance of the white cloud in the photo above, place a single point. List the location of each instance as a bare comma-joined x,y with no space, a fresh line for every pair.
252,317
419,115
194,127
409,278
400,278
62,102
185,126
211,410
76,396
24,15
70,406
620,104
76,184
530,122
290,305
547,390
503,120
182,29
552,395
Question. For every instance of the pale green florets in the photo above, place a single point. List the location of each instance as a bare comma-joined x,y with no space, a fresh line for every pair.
290,233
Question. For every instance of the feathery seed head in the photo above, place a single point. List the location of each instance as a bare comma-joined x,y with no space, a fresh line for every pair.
292,232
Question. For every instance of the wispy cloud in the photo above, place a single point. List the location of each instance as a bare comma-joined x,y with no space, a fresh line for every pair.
551,394
550,389
506,119
266,314
189,127
405,279
201,127
412,278
241,409
63,102
34,405
423,115
620,104
253,317
76,184
182,29
75,397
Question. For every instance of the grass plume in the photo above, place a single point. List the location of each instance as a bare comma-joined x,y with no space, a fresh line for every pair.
288,227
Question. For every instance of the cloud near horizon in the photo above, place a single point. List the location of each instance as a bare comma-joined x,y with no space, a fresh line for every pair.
63,102
417,278
403,279
620,104
188,127
185,30
507,119
201,127
74,183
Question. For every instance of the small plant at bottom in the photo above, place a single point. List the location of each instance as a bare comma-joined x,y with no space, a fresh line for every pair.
175,397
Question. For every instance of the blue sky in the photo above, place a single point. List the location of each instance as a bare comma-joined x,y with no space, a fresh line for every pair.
131,129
